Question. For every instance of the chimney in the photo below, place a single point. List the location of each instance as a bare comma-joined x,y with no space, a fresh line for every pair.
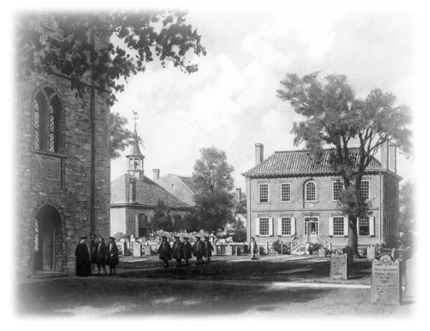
156,174
392,162
238,194
384,155
259,153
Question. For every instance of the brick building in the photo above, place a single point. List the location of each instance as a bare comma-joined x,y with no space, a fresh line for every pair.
180,186
134,197
288,194
62,170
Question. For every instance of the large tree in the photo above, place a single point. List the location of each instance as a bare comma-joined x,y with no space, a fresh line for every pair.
335,118
213,183
65,45
119,136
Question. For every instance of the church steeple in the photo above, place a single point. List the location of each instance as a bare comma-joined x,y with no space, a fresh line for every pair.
135,157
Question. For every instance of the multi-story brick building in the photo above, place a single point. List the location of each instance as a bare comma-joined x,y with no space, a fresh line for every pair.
62,171
289,194
134,198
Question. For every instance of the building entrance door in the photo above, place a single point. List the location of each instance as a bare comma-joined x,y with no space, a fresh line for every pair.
311,229
46,223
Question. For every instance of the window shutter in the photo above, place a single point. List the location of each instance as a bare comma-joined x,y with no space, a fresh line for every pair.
293,225
372,226
345,226
279,226
330,226
257,226
270,226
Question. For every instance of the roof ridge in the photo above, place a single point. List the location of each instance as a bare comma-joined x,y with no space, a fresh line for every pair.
308,150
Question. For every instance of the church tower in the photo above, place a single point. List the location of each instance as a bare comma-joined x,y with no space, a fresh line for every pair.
135,157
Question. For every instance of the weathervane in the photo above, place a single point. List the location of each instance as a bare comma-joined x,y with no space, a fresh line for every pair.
135,124
135,117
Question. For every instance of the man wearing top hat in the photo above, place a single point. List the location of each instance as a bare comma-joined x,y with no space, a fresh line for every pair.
112,256
165,252
186,249
83,263
198,250
177,251
207,249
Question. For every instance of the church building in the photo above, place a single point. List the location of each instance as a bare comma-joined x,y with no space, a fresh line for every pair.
134,198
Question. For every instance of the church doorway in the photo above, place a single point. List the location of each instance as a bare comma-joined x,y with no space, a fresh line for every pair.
46,229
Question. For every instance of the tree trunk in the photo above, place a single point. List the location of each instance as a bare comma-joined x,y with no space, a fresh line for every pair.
353,236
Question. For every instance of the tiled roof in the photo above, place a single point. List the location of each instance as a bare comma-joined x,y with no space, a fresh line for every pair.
189,182
296,162
148,193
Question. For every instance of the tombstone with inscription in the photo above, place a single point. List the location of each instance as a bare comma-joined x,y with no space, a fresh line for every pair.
147,250
409,281
137,250
386,281
371,252
338,265
321,252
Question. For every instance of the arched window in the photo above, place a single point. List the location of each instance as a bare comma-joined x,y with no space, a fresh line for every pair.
310,191
47,111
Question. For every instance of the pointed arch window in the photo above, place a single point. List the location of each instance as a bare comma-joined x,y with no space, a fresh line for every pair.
47,112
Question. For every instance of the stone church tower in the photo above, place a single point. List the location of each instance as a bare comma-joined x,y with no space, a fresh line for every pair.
62,174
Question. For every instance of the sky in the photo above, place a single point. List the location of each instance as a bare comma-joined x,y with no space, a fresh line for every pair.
231,102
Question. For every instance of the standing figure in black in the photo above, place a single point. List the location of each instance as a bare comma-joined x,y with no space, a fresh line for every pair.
177,251
101,256
198,250
93,250
83,263
207,249
112,256
165,252
186,249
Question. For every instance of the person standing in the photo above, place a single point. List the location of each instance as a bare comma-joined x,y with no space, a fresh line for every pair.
207,249
112,256
83,263
186,249
252,246
198,250
101,256
93,250
177,251
165,252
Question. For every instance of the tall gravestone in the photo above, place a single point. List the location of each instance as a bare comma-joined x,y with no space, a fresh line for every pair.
147,250
386,281
371,252
339,265
321,252
137,250
409,281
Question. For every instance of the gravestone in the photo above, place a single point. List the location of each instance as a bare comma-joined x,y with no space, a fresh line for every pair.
120,246
410,277
147,250
386,281
321,252
215,251
338,265
371,252
238,252
267,248
137,250
228,250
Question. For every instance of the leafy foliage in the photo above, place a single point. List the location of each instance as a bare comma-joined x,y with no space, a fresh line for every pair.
161,219
241,205
334,117
239,230
213,182
71,45
120,136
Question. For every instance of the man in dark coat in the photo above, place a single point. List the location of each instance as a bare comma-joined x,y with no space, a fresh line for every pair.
101,256
83,263
165,252
198,250
93,249
112,256
186,249
177,251
207,249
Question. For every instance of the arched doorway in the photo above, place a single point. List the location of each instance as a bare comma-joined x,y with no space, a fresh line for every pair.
46,234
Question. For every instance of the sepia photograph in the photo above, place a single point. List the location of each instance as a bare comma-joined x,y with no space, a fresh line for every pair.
216,162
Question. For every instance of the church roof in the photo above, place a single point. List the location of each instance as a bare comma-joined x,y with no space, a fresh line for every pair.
148,193
134,148
189,182
299,162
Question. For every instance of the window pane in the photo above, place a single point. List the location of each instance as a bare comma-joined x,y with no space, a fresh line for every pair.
285,192
363,226
364,189
264,192
310,192
264,226
338,226
286,226
337,186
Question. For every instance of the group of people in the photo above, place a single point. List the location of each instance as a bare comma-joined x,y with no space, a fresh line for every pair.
184,251
99,254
